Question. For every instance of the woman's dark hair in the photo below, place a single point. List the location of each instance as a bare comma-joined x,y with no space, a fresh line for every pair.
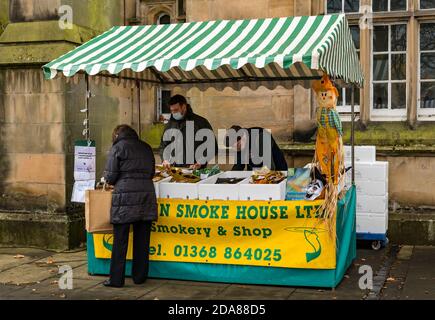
178,98
122,129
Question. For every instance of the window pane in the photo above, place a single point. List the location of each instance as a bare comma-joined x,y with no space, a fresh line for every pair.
334,6
349,96
397,5
380,38
398,95
166,96
351,5
427,66
340,97
380,96
380,5
427,4
355,35
427,95
398,67
427,36
398,37
380,67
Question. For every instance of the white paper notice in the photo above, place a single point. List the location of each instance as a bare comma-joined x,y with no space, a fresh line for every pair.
78,194
84,163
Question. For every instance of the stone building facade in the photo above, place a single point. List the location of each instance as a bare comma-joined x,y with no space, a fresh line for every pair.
40,120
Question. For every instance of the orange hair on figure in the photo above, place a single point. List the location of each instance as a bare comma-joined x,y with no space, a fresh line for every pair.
324,84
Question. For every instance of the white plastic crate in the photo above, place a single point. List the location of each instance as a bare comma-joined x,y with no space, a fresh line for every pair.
209,190
369,171
157,185
371,204
180,190
372,188
250,191
362,153
371,223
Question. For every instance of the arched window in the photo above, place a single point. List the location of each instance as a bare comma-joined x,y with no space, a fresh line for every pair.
164,18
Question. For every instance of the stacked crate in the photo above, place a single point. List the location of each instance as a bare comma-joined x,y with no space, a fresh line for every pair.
371,180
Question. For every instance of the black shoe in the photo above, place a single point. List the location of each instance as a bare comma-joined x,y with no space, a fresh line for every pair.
140,282
107,283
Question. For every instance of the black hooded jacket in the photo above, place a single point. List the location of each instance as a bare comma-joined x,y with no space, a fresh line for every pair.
198,124
130,168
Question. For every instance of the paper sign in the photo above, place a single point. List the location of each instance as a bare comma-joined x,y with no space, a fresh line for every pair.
84,163
78,194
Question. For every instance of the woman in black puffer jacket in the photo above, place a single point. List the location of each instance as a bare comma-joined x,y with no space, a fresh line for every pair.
130,168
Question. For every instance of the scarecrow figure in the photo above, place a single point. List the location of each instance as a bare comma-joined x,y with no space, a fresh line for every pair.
329,157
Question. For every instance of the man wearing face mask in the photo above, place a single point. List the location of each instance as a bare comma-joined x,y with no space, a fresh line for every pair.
183,116
253,143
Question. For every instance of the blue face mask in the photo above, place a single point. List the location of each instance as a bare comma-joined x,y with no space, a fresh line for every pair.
177,116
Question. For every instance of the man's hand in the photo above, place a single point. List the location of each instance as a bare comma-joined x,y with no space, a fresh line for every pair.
166,164
195,166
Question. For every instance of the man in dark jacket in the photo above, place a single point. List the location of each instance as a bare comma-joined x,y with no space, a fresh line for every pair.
178,144
255,148
130,169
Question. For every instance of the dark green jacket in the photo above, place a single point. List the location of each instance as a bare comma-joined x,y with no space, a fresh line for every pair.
198,123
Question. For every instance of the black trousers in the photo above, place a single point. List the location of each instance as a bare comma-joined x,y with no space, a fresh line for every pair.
141,248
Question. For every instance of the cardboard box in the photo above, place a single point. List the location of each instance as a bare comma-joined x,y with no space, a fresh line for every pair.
266,192
209,190
362,154
371,204
371,223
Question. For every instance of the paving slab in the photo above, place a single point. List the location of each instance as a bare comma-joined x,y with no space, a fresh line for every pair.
7,291
26,274
170,291
255,292
130,291
13,257
420,279
81,272
198,283
49,289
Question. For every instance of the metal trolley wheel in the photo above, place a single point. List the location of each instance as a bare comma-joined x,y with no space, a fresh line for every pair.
376,244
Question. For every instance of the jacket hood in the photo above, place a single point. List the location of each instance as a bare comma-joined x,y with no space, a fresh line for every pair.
128,133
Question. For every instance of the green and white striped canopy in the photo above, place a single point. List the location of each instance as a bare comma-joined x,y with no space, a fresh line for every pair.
223,51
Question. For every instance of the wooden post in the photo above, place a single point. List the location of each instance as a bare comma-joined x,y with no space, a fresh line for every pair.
412,68
352,133
138,107
88,95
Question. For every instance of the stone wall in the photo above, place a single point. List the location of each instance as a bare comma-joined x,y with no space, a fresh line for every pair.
32,126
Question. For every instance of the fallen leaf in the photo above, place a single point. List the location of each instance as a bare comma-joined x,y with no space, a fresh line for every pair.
19,256
50,261
54,282
391,279
52,270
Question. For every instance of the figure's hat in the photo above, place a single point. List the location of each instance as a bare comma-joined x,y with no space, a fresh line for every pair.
324,84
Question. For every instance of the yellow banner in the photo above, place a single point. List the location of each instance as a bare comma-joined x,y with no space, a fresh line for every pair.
286,234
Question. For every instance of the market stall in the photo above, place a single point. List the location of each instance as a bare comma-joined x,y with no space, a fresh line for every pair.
263,241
